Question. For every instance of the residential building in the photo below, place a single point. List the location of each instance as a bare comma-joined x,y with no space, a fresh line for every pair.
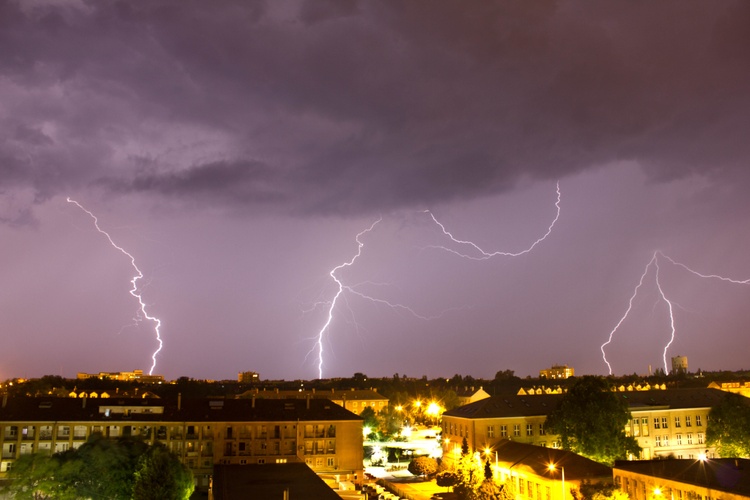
470,394
538,473
742,388
354,400
202,432
686,479
274,481
557,372
134,376
248,377
665,423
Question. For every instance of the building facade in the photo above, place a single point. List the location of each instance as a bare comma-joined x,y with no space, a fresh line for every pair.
557,372
201,432
354,400
666,423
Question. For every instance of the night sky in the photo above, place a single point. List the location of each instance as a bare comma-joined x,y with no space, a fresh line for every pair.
235,149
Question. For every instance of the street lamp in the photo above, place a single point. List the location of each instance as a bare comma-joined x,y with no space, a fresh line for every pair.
552,468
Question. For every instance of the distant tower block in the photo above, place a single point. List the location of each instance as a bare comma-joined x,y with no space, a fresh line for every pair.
248,377
679,364
557,372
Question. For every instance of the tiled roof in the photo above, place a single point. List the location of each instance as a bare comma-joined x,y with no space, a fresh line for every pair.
538,459
270,481
192,410
513,405
351,395
731,475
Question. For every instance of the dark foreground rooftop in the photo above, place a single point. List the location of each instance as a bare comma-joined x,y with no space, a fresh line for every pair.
269,481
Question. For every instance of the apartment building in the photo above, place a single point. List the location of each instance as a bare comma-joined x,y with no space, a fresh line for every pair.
202,432
354,400
665,423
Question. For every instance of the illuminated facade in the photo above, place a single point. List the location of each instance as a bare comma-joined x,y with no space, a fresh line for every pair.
665,423
134,376
723,478
534,472
354,400
557,372
201,432
741,388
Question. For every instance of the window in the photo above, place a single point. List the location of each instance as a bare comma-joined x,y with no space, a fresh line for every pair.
700,438
666,440
677,421
516,430
636,427
679,439
503,431
644,426
656,423
329,462
529,430
690,438
657,441
490,431
664,423
687,421
698,421
261,460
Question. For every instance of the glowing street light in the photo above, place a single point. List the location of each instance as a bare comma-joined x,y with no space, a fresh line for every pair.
552,468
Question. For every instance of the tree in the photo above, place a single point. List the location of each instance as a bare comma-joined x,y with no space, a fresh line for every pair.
446,478
100,468
590,420
423,466
597,491
161,476
729,426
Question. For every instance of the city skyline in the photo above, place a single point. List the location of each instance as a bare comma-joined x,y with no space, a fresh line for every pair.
241,154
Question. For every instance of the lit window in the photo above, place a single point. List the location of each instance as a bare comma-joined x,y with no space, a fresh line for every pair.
664,423
657,442
503,431
690,438
516,430
700,438
698,421
679,439
529,430
677,421
687,421
490,431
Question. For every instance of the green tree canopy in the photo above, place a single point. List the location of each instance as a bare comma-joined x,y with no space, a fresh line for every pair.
161,476
590,420
100,468
423,466
729,426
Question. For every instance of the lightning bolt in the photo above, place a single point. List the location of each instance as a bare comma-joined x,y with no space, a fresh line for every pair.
484,255
134,281
352,289
670,305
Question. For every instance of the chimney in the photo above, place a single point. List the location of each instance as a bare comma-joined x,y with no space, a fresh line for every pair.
179,401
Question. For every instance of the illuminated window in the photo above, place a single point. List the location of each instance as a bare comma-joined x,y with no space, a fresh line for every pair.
529,430
503,431
490,431
516,430
687,421
690,438
541,429
679,439
698,421
700,438
657,441
666,440
664,423
677,421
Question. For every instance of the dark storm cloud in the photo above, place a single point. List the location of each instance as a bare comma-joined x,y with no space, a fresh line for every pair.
343,106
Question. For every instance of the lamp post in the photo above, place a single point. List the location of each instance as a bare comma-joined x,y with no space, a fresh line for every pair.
552,468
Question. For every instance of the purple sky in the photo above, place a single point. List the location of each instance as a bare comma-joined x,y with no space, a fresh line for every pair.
237,148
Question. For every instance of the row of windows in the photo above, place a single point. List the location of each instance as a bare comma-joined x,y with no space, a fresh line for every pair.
663,423
664,440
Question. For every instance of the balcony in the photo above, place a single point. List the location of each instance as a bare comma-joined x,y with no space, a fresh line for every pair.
45,435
